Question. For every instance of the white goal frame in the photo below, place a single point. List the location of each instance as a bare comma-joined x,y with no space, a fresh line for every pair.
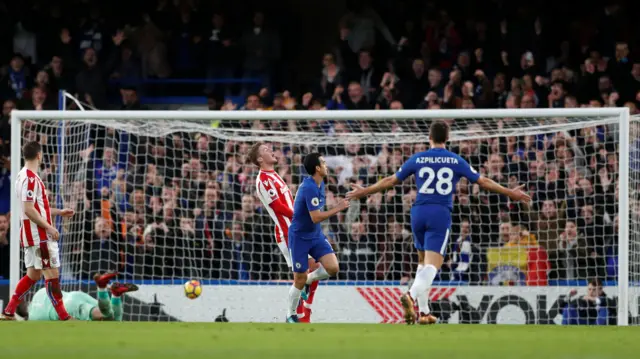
622,113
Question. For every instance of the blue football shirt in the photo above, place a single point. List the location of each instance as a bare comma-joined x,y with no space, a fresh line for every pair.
437,172
310,197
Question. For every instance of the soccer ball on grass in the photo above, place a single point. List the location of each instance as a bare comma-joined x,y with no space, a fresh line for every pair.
192,289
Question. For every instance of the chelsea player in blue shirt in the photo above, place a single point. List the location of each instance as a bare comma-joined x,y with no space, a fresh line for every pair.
305,234
437,172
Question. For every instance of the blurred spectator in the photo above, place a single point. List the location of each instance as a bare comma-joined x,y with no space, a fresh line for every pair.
359,254
220,53
360,25
16,79
593,308
459,264
5,252
262,48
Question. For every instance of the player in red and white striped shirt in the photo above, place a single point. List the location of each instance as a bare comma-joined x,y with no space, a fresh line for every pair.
38,236
278,201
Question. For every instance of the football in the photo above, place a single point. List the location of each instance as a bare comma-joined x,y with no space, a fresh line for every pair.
192,289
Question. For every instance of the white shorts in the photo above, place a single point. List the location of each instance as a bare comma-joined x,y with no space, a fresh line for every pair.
44,256
287,255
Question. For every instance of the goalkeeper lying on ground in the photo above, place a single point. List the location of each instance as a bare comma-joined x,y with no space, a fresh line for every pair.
80,305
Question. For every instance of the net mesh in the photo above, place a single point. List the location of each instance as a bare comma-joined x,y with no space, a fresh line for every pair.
175,200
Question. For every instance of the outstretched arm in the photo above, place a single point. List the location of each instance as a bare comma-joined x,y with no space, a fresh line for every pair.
65,212
515,194
384,184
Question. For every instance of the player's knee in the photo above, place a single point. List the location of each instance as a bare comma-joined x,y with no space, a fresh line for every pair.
299,280
50,273
332,269
34,274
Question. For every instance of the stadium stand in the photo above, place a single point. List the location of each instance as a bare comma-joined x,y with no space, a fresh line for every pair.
387,55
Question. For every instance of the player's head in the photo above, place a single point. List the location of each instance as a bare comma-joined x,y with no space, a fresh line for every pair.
32,151
314,164
439,133
262,155
595,287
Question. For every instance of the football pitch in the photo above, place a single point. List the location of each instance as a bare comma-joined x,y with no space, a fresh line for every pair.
304,341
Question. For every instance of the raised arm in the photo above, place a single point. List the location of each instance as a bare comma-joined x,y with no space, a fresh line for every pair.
515,194
382,185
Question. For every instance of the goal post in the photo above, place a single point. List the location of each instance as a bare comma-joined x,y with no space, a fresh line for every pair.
372,130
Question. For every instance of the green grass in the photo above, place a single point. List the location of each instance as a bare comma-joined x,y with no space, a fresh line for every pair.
88,340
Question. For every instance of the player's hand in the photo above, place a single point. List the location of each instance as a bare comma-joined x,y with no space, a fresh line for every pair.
343,204
67,212
517,194
357,192
53,232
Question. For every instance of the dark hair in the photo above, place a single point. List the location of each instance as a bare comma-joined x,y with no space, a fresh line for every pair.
252,157
30,151
439,132
310,162
595,282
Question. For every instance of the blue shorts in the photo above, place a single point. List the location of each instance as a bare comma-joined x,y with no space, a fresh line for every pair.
300,248
430,225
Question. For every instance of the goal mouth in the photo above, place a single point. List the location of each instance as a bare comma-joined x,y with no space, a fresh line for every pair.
165,197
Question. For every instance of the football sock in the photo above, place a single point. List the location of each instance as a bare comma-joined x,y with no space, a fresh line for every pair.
418,291
21,289
294,298
116,305
318,274
104,303
55,295
422,299
312,293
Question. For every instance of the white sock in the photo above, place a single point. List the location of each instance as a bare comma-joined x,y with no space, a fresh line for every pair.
418,291
423,301
294,297
318,274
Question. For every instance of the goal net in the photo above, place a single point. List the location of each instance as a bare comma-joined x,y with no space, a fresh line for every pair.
165,197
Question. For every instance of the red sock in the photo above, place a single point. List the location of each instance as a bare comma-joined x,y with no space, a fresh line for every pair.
55,295
312,292
21,289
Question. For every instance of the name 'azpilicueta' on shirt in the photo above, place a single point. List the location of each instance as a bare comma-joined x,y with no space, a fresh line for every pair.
449,160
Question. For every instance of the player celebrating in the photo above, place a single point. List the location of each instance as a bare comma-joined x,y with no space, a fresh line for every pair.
81,305
38,237
305,234
437,172
277,200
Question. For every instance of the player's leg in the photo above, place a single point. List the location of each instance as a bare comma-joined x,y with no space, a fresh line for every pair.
50,262
433,263
418,228
299,251
104,301
284,248
24,285
309,293
436,238
322,251
117,292
422,299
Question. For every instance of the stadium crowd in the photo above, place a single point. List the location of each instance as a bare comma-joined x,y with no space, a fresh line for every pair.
184,205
